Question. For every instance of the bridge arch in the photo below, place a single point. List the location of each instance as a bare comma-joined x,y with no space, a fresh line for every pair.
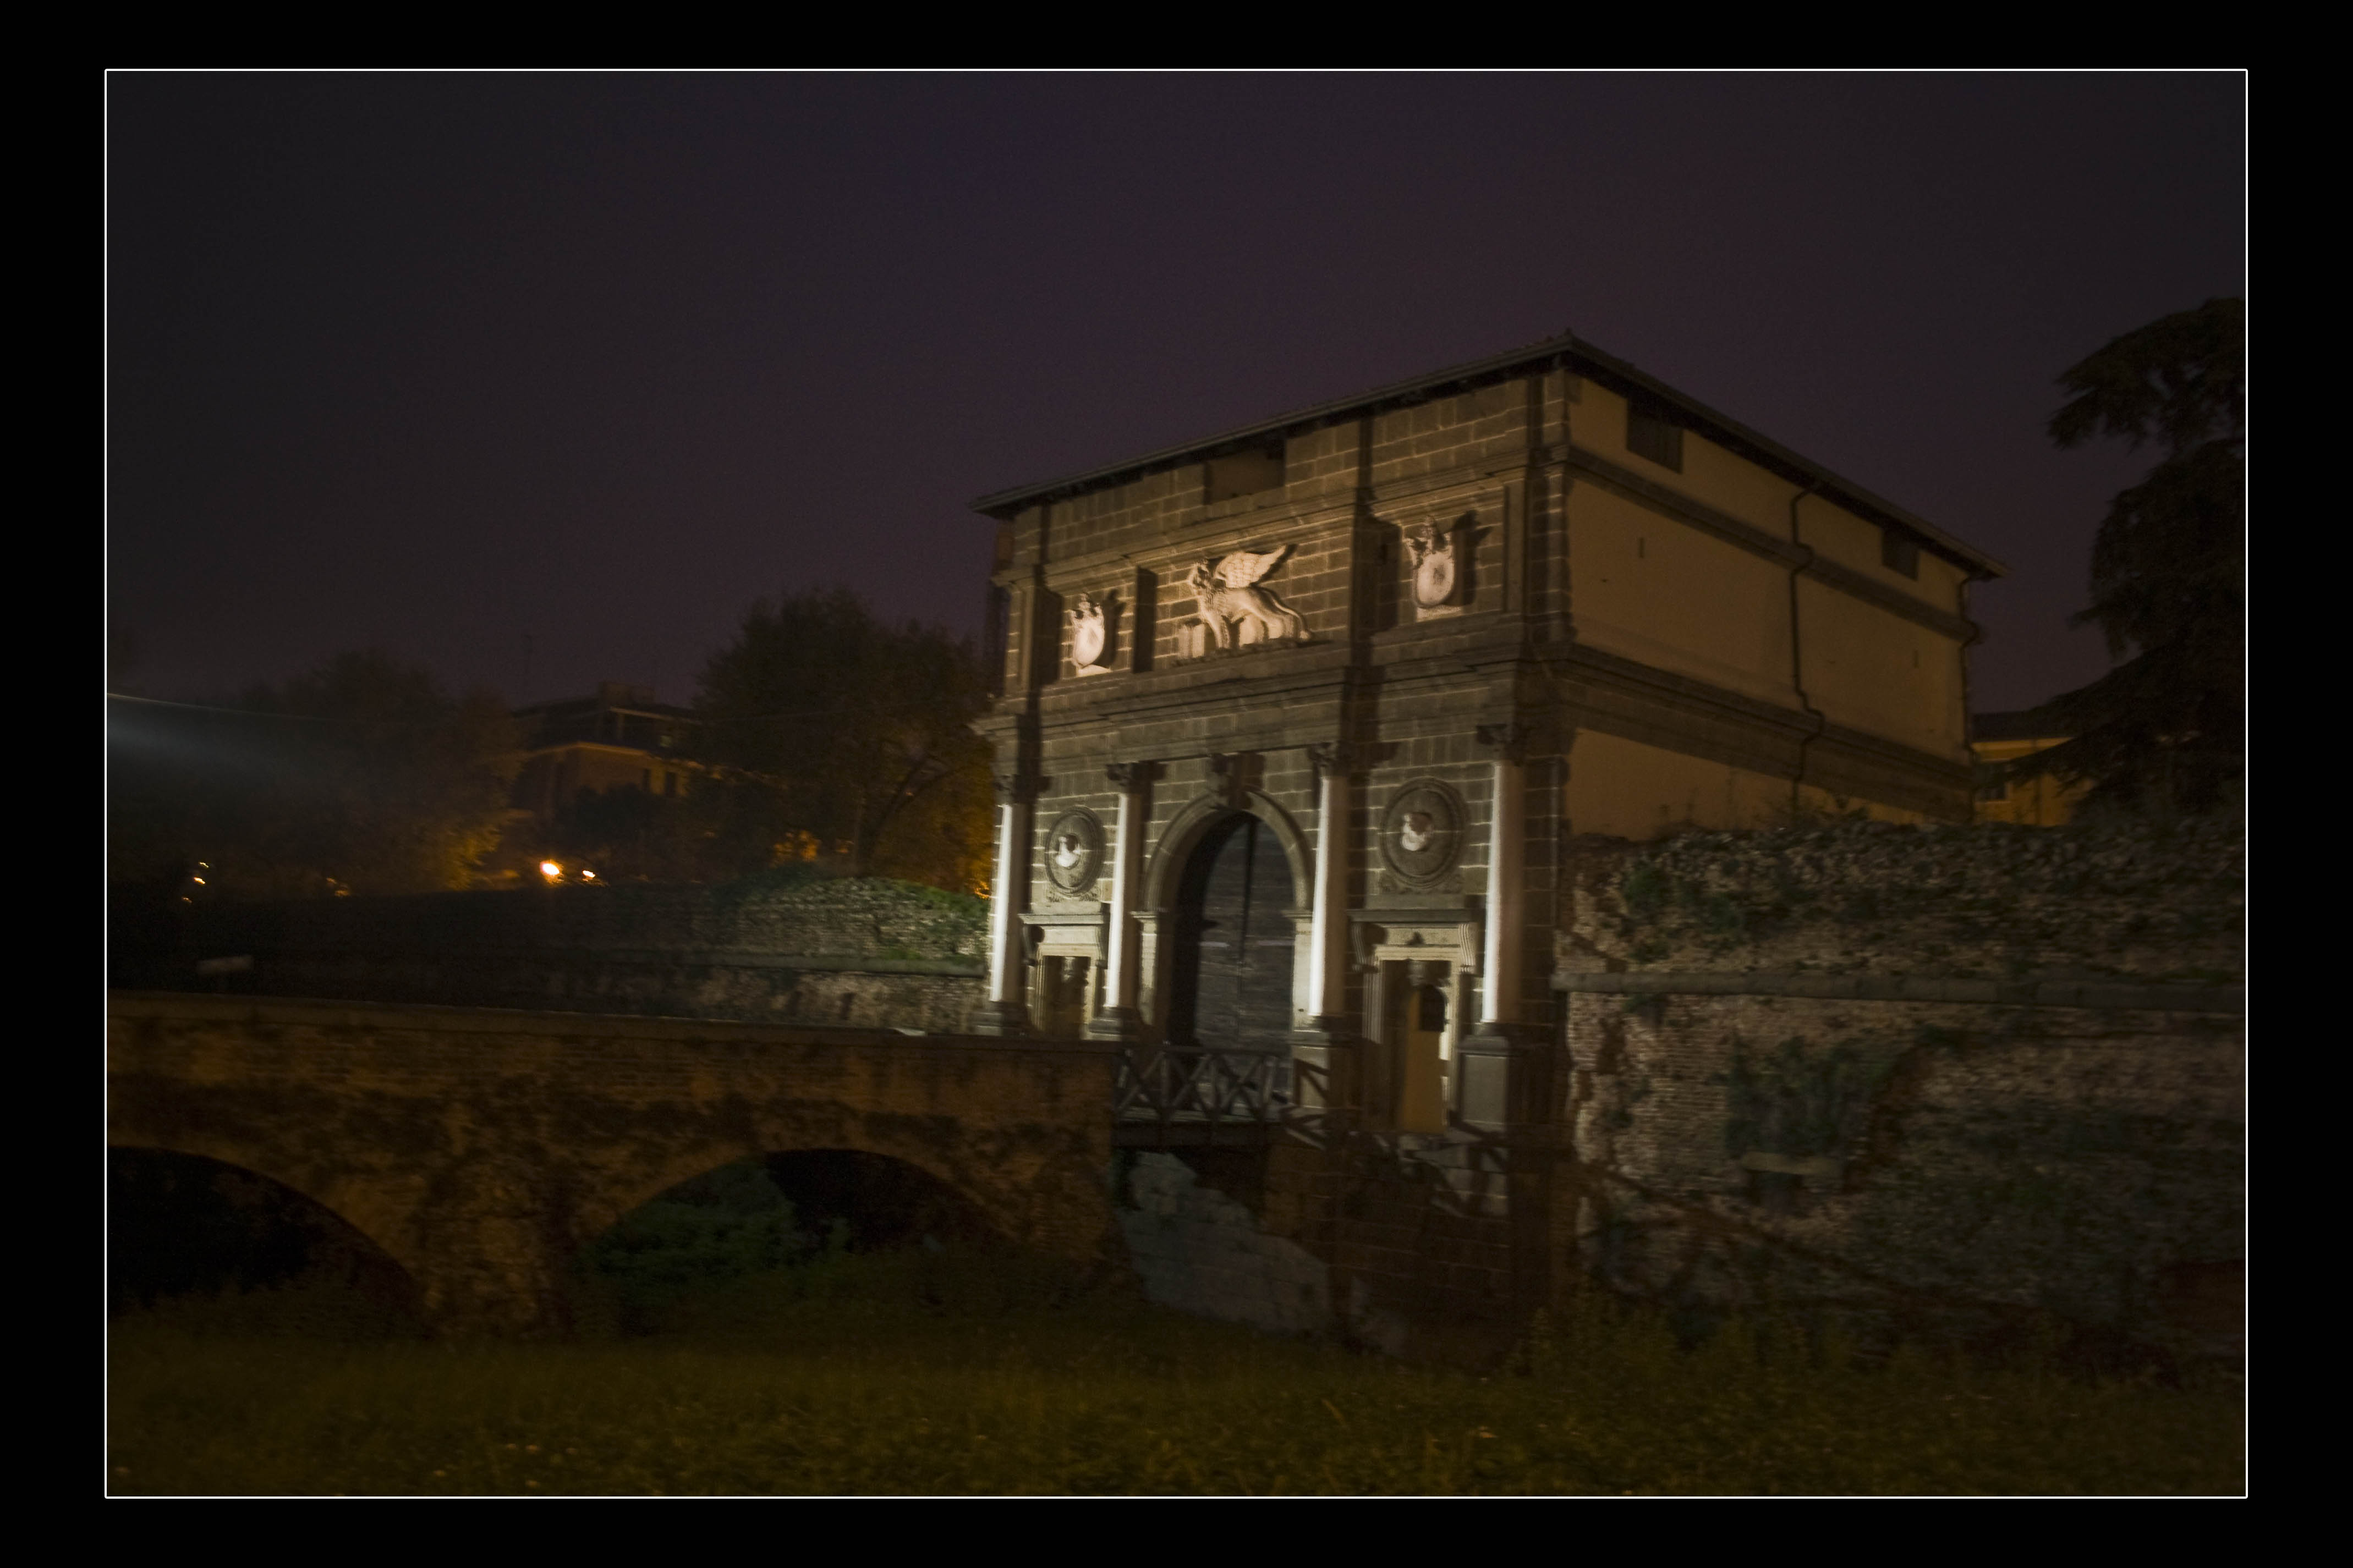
479,1149
634,1190
182,1221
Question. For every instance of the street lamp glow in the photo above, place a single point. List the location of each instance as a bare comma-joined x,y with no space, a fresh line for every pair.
552,870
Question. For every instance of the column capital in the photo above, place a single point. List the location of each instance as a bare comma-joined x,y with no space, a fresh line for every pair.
1335,759
1508,742
1016,789
1132,777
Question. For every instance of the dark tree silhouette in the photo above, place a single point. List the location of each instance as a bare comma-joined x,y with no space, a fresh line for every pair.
2164,727
362,776
834,738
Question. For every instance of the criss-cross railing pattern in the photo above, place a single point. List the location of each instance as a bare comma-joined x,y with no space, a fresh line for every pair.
1201,1084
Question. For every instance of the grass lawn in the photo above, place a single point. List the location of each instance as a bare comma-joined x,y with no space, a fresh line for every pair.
913,1373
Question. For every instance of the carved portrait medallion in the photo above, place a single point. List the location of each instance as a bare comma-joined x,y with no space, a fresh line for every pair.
1421,833
1074,851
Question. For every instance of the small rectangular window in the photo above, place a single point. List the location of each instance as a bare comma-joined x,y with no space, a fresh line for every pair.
997,638
1899,553
1246,472
1651,434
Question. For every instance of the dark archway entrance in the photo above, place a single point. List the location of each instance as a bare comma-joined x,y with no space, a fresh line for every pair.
879,1202
1231,979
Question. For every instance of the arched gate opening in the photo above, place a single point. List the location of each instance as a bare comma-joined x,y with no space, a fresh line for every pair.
1235,946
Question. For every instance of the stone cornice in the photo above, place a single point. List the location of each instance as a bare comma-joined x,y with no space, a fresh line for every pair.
2117,996
1650,682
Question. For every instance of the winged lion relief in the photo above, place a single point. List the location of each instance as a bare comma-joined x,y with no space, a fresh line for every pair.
1234,610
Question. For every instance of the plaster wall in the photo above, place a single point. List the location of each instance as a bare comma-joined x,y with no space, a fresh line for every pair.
1885,676
1709,474
1624,789
1655,589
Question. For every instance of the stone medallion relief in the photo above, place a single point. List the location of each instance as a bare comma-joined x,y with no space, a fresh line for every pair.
1231,610
1422,835
1074,846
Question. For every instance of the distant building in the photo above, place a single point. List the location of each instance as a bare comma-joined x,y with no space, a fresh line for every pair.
620,739
1996,738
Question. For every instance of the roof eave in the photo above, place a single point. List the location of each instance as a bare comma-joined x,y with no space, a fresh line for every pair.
1566,350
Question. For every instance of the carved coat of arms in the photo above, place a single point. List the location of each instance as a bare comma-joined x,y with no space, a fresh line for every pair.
1431,552
1234,608
1089,635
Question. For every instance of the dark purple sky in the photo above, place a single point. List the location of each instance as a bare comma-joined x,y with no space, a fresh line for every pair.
441,363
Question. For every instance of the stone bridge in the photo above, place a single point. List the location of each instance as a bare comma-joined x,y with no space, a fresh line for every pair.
479,1148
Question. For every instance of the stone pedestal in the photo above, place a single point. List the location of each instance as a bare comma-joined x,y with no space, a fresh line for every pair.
1324,1070
1008,1016
1502,1077
1122,1025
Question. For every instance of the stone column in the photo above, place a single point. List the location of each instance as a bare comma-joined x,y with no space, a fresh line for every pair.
1324,1053
1006,1011
1492,1081
1499,964
1329,931
1119,1019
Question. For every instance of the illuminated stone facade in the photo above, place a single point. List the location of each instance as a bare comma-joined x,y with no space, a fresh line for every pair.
1355,681
1545,580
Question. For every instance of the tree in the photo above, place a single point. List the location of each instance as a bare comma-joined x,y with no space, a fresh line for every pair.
363,776
834,739
2165,726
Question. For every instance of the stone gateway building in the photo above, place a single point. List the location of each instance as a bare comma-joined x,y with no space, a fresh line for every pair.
1299,725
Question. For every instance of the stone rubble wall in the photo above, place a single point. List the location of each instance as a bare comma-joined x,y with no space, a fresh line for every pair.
1993,900
857,952
1947,1169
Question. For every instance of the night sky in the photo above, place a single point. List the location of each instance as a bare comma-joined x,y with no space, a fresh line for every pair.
541,379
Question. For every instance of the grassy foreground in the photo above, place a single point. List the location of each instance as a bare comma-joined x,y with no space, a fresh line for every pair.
912,1374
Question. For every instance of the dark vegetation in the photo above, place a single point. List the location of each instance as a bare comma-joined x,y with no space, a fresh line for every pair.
362,776
2120,893
743,1334
820,739
2165,729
